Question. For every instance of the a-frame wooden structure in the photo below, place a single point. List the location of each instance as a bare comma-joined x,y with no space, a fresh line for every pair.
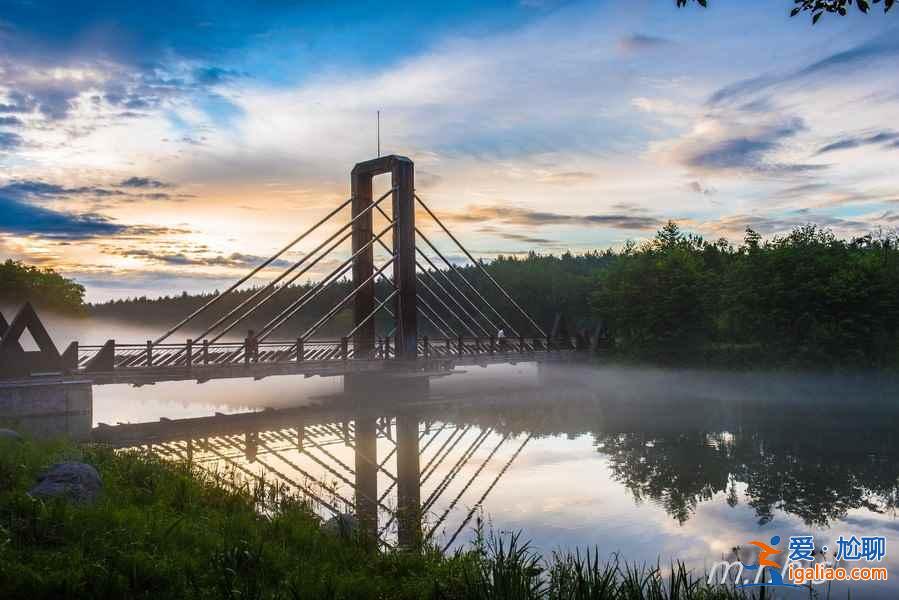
15,361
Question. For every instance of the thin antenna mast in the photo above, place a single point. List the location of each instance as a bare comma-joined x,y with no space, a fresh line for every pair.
379,134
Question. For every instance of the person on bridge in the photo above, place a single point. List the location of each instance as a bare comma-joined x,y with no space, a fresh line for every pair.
501,338
252,346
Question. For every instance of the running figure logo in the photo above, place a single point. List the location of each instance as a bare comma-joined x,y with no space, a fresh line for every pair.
774,572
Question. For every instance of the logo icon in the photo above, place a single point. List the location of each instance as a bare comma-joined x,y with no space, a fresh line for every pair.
774,573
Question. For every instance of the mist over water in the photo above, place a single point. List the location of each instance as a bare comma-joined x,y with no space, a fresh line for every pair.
657,464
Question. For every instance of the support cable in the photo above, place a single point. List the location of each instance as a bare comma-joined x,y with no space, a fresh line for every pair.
481,267
423,313
267,262
448,309
304,270
340,304
283,275
436,282
433,324
298,304
457,468
492,325
471,286
423,301
487,491
450,281
372,313
464,489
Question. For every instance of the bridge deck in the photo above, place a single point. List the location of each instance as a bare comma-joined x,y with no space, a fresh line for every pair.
144,365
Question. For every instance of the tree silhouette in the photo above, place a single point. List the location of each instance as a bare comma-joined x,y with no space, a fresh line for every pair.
818,7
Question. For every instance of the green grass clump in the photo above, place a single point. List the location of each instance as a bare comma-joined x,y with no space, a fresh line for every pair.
167,530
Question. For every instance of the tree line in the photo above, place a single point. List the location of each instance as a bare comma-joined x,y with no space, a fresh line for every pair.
804,298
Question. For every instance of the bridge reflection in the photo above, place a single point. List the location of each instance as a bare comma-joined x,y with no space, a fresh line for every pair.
400,469
764,443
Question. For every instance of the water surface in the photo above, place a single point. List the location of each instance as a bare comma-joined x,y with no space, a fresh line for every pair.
653,464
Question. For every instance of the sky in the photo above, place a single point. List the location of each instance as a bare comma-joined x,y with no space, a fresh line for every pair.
151,148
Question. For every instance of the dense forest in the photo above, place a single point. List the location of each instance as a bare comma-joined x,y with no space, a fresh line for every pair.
45,288
805,298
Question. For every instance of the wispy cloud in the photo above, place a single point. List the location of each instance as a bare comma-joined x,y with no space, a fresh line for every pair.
144,182
517,237
879,49
636,42
535,218
233,260
36,190
885,138
9,140
22,218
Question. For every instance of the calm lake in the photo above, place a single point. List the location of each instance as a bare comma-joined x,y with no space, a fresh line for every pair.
655,465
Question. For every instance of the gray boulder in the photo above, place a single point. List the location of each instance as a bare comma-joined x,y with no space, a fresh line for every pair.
343,525
78,482
9,434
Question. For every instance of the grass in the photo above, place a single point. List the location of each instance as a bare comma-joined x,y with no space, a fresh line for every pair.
166,530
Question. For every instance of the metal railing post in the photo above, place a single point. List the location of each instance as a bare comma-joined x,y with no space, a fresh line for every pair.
387,347
344,348
149,353
549,343
246,351
449,347
521,344
427,347
205,352
190,353
492,343
461,345
300,350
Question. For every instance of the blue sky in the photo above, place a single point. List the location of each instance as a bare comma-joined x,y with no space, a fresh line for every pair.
154,147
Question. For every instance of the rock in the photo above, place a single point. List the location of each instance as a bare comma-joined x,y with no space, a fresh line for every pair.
9,434
345,525
79,482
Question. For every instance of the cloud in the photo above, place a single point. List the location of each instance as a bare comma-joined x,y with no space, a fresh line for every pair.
566,177
22,218
533,218
884,47
215,75
32,189
517,237
735,225
11,121
887,138
233,260
17,102
722,144
143,182
637,42
9,140
698,188
40,189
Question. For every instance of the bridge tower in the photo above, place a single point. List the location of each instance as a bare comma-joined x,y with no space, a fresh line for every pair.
402,172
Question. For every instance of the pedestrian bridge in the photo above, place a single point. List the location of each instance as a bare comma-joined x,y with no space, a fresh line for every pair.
440,315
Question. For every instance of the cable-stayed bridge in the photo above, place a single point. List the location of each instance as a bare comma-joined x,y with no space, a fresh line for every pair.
440,315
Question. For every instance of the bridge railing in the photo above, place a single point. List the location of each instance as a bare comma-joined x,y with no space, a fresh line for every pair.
113,356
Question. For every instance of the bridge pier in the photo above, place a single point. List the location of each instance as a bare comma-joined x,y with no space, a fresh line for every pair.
48,408
366,463
408,475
